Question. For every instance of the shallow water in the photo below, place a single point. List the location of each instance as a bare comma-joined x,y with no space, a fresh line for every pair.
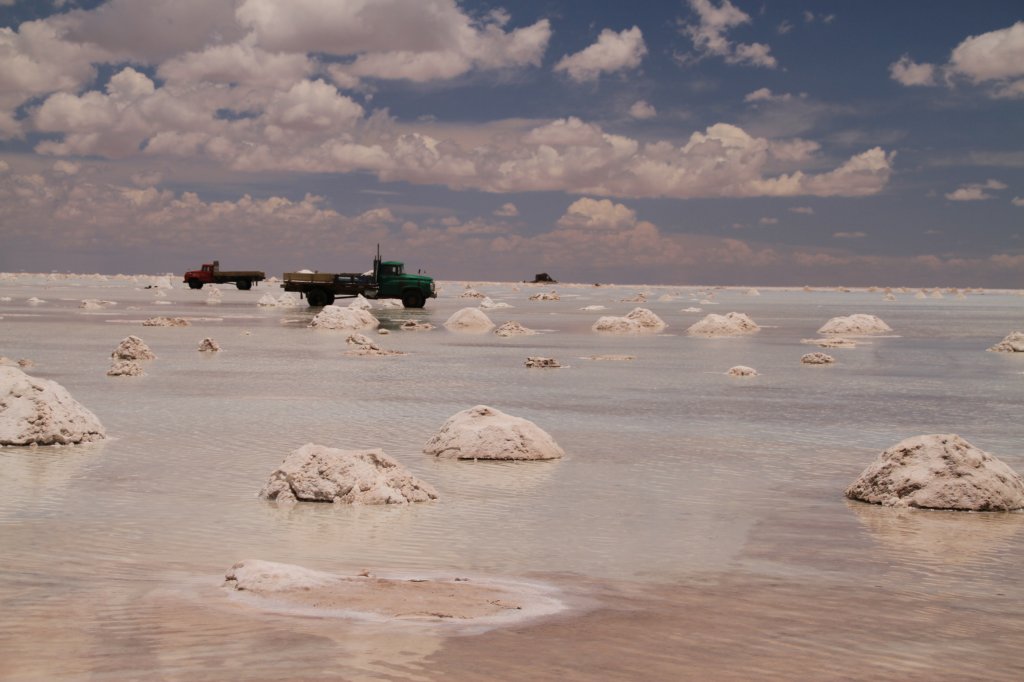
677,478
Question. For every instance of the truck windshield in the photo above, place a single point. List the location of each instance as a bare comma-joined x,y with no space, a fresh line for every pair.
390,269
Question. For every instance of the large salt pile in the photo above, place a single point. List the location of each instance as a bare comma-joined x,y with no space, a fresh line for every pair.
483,432
349,319
730,324
742,371
1013,343
637,320
513,328
941,471
471,320
817,359
41,412
317,473
857,324
132,348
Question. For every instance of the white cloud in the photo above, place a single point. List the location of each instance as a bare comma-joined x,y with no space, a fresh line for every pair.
597,214
975,191
769,221
766,95
709,35
313,105
612,52
805,210
909,73
239,62
849,235
507,210
1017,201
641,110
66,167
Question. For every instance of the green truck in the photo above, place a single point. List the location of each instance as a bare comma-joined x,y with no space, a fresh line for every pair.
388,279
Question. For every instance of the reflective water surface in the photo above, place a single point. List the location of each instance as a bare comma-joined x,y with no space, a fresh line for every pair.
696,528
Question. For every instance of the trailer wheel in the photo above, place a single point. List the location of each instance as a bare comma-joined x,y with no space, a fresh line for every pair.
194,283
412,299
316,298
244,284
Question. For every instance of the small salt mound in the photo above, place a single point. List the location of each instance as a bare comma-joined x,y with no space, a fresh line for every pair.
42,412
132,348
941,471
483,432
1013,343
593,307
638,298
125,368
317,473
817,359
472,293
857,324
364,345
542,362
546,296
889,297
166,322
282,301
691,309
488,304
513,328
96,304
753,292
35,301
920,294
208,345
831,343
471,320
639,320
416,326
346,319
730,324
360,303
742,371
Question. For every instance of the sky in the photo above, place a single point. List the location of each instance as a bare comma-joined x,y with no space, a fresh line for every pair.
768,142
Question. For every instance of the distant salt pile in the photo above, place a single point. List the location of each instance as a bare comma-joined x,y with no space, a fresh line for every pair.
1013,343
483,432
889,297
415,326
836,342
638,298
742,371
96,304
470,320
125,368
730,324
166,322
35,301
132,348
283,301
753,292
360,303
363,345
472,293
667,298
817,359
208,345
937,294
546,296
488,304
920,294
857,325
540,362
513,328
691,309
41,412
639,320
316,473
345,319
941,471
593,308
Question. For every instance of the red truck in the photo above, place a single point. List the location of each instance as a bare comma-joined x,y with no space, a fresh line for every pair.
212,274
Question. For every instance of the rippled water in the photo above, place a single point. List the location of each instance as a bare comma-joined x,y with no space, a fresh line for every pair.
676,475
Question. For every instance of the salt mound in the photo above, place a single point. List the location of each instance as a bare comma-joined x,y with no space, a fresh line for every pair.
1013,343
166,322
318,473
125,368
349,319
488,304
817,359
593,307
41,412
283,301
513,328
388,303
730,324
472,293
639,320
483,432
858,324
35,301
638,298
95,304
132,348
691,309
360,303
416,326
542,362
546,296
742,371
208,345
366,346
469,320
753,292
940,471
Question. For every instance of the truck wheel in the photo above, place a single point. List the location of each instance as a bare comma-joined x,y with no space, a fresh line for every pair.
244,284
194,283
329,298
412,299
316,298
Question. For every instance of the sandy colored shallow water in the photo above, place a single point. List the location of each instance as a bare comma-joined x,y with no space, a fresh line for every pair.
696,528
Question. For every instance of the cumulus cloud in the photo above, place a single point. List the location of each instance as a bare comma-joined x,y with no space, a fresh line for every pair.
710,40
849,235
597,214
1017,201
976,191
612,52
768,221
766,95
507,210
910,73
641,110
805,210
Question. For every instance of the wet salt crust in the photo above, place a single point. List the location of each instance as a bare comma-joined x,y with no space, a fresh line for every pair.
856,324
940,471
730,324
317,473
40,412
483,432
638,320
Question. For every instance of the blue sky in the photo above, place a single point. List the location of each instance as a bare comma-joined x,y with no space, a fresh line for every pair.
695,141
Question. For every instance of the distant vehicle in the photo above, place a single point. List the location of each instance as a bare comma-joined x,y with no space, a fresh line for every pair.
211,273
387,280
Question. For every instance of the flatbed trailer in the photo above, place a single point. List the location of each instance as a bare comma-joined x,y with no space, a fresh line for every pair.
386,280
